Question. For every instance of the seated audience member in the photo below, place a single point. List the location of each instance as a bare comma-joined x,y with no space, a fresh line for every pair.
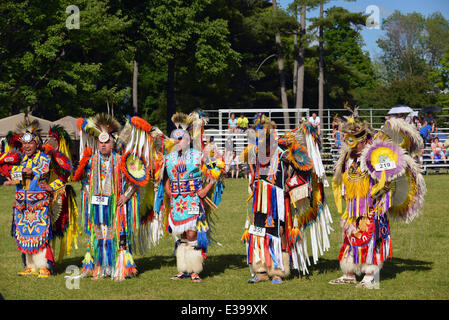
425,131
338,138
417,122
315,121
232,123
242,123
433,126
438,151
446,147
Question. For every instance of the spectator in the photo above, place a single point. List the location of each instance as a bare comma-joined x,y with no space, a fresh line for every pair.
438,151
315,121
229,148
425,131
242,123
428,117
446,147
417,122
409,119
334,125
338,138
434,129
232,123
234,165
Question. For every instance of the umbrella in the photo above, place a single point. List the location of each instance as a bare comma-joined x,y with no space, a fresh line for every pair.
413,114
400,109
431,109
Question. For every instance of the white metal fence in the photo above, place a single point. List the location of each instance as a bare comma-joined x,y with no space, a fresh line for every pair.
218,129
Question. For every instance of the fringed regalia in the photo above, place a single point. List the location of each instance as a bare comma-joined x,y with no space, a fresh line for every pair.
184,173
63,207
378,179
112,229
38,215
187,171
287,199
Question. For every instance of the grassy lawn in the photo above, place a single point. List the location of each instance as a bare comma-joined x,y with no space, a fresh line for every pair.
418,270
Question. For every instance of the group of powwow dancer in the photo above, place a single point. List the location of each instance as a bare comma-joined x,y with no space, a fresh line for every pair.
137,184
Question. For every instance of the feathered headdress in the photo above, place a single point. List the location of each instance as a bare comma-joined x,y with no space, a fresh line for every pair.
182,123
402,133
29,130
62,138
59,134
264,122
355,130
13,142
101,126
196,122
57,146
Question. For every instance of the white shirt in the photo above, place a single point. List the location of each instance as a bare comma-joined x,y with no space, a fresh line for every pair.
315,121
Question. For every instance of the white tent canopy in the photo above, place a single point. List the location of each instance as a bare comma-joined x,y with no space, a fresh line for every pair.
69,124
9,124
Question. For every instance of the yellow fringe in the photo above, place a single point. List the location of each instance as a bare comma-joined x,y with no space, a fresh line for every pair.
356,188
401,210
378,186
166,211
336,189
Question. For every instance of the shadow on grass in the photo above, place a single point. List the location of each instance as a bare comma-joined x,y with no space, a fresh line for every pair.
395,266
213,265
390,269
217,264
145,264
61,267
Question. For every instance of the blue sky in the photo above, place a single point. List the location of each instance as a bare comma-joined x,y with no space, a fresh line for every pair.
386,7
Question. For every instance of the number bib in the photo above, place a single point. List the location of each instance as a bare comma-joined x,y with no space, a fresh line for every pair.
100,200
257,231
387,165
193,210
16,176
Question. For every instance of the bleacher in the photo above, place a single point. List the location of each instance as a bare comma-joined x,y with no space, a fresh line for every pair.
330,155
217,128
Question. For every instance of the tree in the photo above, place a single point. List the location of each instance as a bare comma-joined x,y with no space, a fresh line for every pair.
436,37
181,36
52,71
321,68
281,71
348,68
299,66
403,45
440,77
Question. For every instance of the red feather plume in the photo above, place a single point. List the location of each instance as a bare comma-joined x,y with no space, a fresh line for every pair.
79,173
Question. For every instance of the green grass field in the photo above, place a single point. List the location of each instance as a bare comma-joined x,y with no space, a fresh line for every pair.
418,270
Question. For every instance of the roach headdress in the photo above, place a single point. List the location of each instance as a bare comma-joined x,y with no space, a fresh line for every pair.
29,130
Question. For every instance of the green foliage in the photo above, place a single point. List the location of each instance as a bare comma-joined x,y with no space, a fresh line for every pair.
347,68
55,66
440,77
403,45
222,53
